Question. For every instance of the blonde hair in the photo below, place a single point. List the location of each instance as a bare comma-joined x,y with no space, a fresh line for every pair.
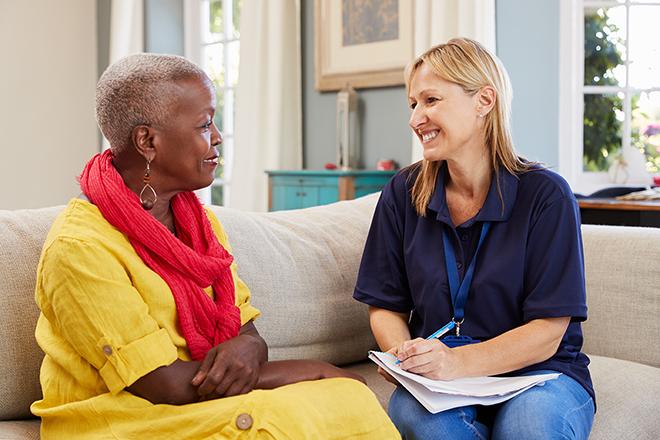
137,90
468,64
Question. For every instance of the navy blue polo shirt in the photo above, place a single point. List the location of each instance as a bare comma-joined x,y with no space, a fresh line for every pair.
530,264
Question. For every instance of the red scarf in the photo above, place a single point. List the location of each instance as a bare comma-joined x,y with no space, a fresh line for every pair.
188,264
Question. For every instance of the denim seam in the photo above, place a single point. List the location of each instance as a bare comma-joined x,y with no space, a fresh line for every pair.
474,430
572,410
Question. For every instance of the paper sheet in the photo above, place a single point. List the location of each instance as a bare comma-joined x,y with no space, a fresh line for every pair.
441,395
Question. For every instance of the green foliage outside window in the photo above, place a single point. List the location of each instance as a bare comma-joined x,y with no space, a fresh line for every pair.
603,113
646,130
216,16
602,129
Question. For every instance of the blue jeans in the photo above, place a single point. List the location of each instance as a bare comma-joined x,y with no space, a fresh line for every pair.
559,409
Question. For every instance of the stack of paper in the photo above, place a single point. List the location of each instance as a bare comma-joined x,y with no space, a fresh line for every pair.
647,194
441,395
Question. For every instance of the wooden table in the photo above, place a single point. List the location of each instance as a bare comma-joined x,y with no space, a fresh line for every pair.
620,212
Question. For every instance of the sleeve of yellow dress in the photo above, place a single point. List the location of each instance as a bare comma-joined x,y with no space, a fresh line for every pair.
248,311
86,294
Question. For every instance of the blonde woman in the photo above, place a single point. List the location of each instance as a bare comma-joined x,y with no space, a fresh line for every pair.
476,238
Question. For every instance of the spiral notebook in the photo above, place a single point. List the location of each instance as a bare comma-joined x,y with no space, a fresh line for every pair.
441,395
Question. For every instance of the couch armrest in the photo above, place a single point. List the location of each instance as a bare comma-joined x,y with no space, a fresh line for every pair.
623,292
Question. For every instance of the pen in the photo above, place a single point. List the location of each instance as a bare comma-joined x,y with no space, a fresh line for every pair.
436,334
441,331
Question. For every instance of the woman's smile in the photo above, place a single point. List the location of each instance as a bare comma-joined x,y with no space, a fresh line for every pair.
428,136
211,161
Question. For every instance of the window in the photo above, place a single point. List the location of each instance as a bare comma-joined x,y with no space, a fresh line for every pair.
614,103
212,40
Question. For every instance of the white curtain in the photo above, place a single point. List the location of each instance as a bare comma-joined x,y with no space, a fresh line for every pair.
126,28
126,32
437,21
268,124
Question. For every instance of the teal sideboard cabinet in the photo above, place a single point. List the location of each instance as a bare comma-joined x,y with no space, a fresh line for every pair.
305,188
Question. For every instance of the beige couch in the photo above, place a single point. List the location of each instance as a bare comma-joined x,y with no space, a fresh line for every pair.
301,267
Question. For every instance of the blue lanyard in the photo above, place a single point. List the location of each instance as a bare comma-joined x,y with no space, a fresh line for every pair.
459,292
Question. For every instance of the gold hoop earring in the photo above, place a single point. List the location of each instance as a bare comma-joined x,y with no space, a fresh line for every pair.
148,195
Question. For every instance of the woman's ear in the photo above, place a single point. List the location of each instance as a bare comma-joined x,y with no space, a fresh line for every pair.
486,98
143,140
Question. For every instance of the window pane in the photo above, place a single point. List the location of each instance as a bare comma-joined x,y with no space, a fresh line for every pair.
226,151
603,123
644,49
236,18
232,63
215,21
604,46
214,63
218,119
645,126
217,195
220,169
228,113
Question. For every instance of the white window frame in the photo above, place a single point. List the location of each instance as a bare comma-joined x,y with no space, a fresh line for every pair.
572,90
195,19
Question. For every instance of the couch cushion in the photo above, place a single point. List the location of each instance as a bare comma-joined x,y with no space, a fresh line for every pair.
20,430
626,396
301,267
623,292
23,233
381,388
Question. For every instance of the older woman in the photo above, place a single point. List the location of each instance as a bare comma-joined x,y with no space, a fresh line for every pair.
479,241
146,326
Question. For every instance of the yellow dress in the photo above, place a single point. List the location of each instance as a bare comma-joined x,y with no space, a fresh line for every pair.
107,320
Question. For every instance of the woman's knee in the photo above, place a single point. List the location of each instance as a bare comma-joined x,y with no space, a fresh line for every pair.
415,422
403,409
545,412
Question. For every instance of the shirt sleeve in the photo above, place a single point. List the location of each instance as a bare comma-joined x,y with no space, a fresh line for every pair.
248,311
382,280
554,275
89,299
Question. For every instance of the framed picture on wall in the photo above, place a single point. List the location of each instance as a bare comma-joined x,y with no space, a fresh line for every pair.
364,43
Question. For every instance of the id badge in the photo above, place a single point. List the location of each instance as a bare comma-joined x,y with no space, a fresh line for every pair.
452,341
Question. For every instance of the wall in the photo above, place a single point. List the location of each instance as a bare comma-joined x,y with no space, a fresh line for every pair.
51,116
532,63
103,13
385,133
528,44
163,26
47,82
529,48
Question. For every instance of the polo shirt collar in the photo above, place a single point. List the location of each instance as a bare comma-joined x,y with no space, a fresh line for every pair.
491,211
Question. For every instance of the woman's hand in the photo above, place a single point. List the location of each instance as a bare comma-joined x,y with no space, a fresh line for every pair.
230,368
429,358
393,351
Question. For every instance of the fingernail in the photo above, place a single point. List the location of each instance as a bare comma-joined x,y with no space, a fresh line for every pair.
196,379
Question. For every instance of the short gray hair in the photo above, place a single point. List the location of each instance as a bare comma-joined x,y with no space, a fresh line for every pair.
138,90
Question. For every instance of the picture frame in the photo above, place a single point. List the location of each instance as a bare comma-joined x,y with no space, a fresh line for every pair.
364,43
